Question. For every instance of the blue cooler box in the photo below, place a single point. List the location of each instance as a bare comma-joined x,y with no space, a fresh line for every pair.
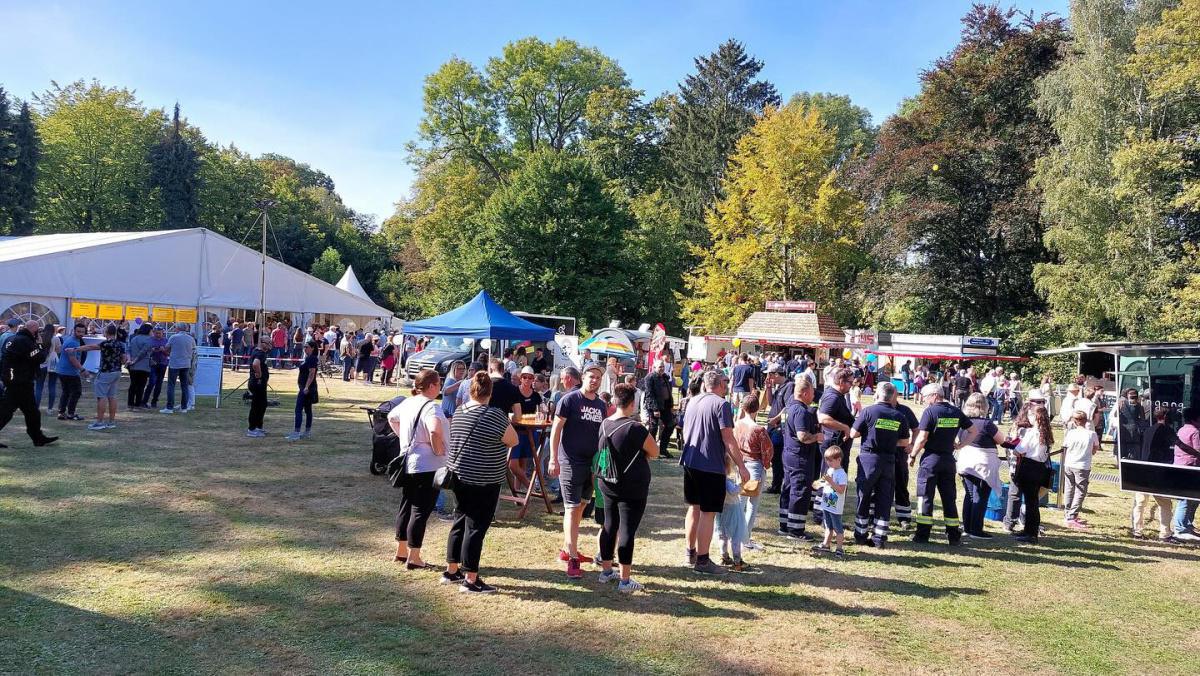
997,501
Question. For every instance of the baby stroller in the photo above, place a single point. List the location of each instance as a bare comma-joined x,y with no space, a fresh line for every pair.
384,444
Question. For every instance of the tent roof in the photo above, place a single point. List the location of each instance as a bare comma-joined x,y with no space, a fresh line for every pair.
349,282
481,317
194,267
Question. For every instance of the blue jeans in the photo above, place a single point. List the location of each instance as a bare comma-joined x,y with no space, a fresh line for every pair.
182,374
995,409
347,369
750,505
1185,516
277,353
39,383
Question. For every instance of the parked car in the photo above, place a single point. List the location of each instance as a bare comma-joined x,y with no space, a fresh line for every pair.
439,353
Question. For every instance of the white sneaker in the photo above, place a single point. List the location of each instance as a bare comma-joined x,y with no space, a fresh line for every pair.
97,426
261,431
752,546
110,426
182,410
1187,535
629,586
166,410
294,436
254,434
608,576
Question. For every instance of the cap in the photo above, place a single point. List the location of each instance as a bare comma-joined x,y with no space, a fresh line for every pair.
1036,395
527,371
931,388
593,366
13,321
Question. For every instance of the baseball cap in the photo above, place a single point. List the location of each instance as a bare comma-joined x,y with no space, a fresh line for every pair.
594,367
13,322
931,388
1036,395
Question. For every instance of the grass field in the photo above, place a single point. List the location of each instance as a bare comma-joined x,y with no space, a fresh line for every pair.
174,544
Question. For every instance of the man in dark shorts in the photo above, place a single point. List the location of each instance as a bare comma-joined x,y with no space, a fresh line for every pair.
800,433
577,419
883,430
741,378
937,435
707,440
780,391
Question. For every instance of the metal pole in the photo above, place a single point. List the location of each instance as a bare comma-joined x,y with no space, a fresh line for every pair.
262,289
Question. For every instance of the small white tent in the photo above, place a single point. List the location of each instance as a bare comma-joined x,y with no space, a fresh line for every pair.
349,282
194,268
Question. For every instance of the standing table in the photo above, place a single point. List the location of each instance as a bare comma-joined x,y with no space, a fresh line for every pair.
526,424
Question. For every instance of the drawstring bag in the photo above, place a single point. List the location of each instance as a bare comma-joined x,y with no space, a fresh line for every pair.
608,458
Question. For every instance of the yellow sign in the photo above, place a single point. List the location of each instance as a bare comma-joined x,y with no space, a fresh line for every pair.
83,309
132,312
185,314
110,311
164,314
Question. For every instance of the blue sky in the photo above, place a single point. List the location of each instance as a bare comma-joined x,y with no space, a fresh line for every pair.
338,85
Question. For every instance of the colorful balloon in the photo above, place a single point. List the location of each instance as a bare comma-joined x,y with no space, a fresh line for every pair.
737,342
847,354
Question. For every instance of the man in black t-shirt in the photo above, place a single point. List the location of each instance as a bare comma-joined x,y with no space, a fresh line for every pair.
780,390
540,364
883,431
835,416
504,393
938,436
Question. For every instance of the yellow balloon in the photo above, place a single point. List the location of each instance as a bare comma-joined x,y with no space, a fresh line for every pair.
935,167
847,354
737,342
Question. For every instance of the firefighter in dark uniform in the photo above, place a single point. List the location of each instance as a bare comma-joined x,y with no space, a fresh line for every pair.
835,416
23,355
937,436
884,431
780,392
902,504
800,435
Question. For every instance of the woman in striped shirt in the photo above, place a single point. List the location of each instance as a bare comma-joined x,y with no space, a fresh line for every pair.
480,437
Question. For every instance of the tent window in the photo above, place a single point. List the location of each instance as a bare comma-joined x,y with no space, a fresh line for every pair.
30,310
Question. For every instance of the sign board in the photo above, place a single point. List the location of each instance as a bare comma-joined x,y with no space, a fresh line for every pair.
83,310
792,305
209,372
132,312
110,311
976,341
185,314
164,314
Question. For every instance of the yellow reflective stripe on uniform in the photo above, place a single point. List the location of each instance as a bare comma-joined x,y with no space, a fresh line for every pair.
885,424
923,520
947,422
953,523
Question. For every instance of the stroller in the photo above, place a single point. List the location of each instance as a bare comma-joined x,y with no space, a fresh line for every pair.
384,444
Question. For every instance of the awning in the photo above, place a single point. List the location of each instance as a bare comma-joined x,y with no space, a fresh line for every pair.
479,318
957,357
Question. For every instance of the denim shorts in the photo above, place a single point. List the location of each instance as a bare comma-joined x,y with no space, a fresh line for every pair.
832,521
105,384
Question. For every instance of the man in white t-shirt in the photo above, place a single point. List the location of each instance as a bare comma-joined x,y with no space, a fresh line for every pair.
1079,446
1087,406
1067,409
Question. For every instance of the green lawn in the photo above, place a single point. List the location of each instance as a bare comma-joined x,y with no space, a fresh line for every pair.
174,544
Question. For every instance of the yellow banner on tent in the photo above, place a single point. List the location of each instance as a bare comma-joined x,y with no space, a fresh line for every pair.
83,309
164,314
110,311
132,312
185,314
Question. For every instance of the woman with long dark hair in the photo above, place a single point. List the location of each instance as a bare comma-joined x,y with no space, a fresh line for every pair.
1033,467
480,437
421,429
625,500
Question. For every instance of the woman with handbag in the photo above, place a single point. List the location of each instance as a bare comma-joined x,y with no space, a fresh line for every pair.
979,466
1033,458
630,445
480,437
421,429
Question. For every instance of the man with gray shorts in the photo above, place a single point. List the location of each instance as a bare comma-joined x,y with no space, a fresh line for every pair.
112,358
577,419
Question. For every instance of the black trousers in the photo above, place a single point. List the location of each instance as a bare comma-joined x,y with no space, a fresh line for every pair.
796,495
19,396
935,474
1028,479
777,470
976,492
661,428
137,387
902,504
416,505
623,510
154,385
876,487
472,517
71,389
258,406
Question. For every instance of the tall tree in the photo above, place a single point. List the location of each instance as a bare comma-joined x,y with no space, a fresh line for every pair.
8,161
852,124
957,224
552,240
23,205
94,175
329,266
1098,282
230,182
174,170
711,111
786,229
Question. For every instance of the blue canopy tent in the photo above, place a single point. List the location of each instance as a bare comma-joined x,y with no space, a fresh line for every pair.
479,318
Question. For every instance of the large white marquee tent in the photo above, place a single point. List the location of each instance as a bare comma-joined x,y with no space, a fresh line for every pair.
193,268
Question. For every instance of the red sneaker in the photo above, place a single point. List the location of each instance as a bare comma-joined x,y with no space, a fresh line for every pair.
573,570
564,556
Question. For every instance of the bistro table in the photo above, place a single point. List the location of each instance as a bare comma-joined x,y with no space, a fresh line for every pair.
526,424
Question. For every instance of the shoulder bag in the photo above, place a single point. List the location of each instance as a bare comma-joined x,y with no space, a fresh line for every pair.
397,469
446,478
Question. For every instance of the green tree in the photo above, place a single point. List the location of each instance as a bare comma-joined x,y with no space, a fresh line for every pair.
174,169
94,175
785,227
956,222
713,108
851,123
1098,280
329,266
8,162
553,240
23,203
230,181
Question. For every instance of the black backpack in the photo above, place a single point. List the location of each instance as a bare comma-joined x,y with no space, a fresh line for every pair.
385,447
